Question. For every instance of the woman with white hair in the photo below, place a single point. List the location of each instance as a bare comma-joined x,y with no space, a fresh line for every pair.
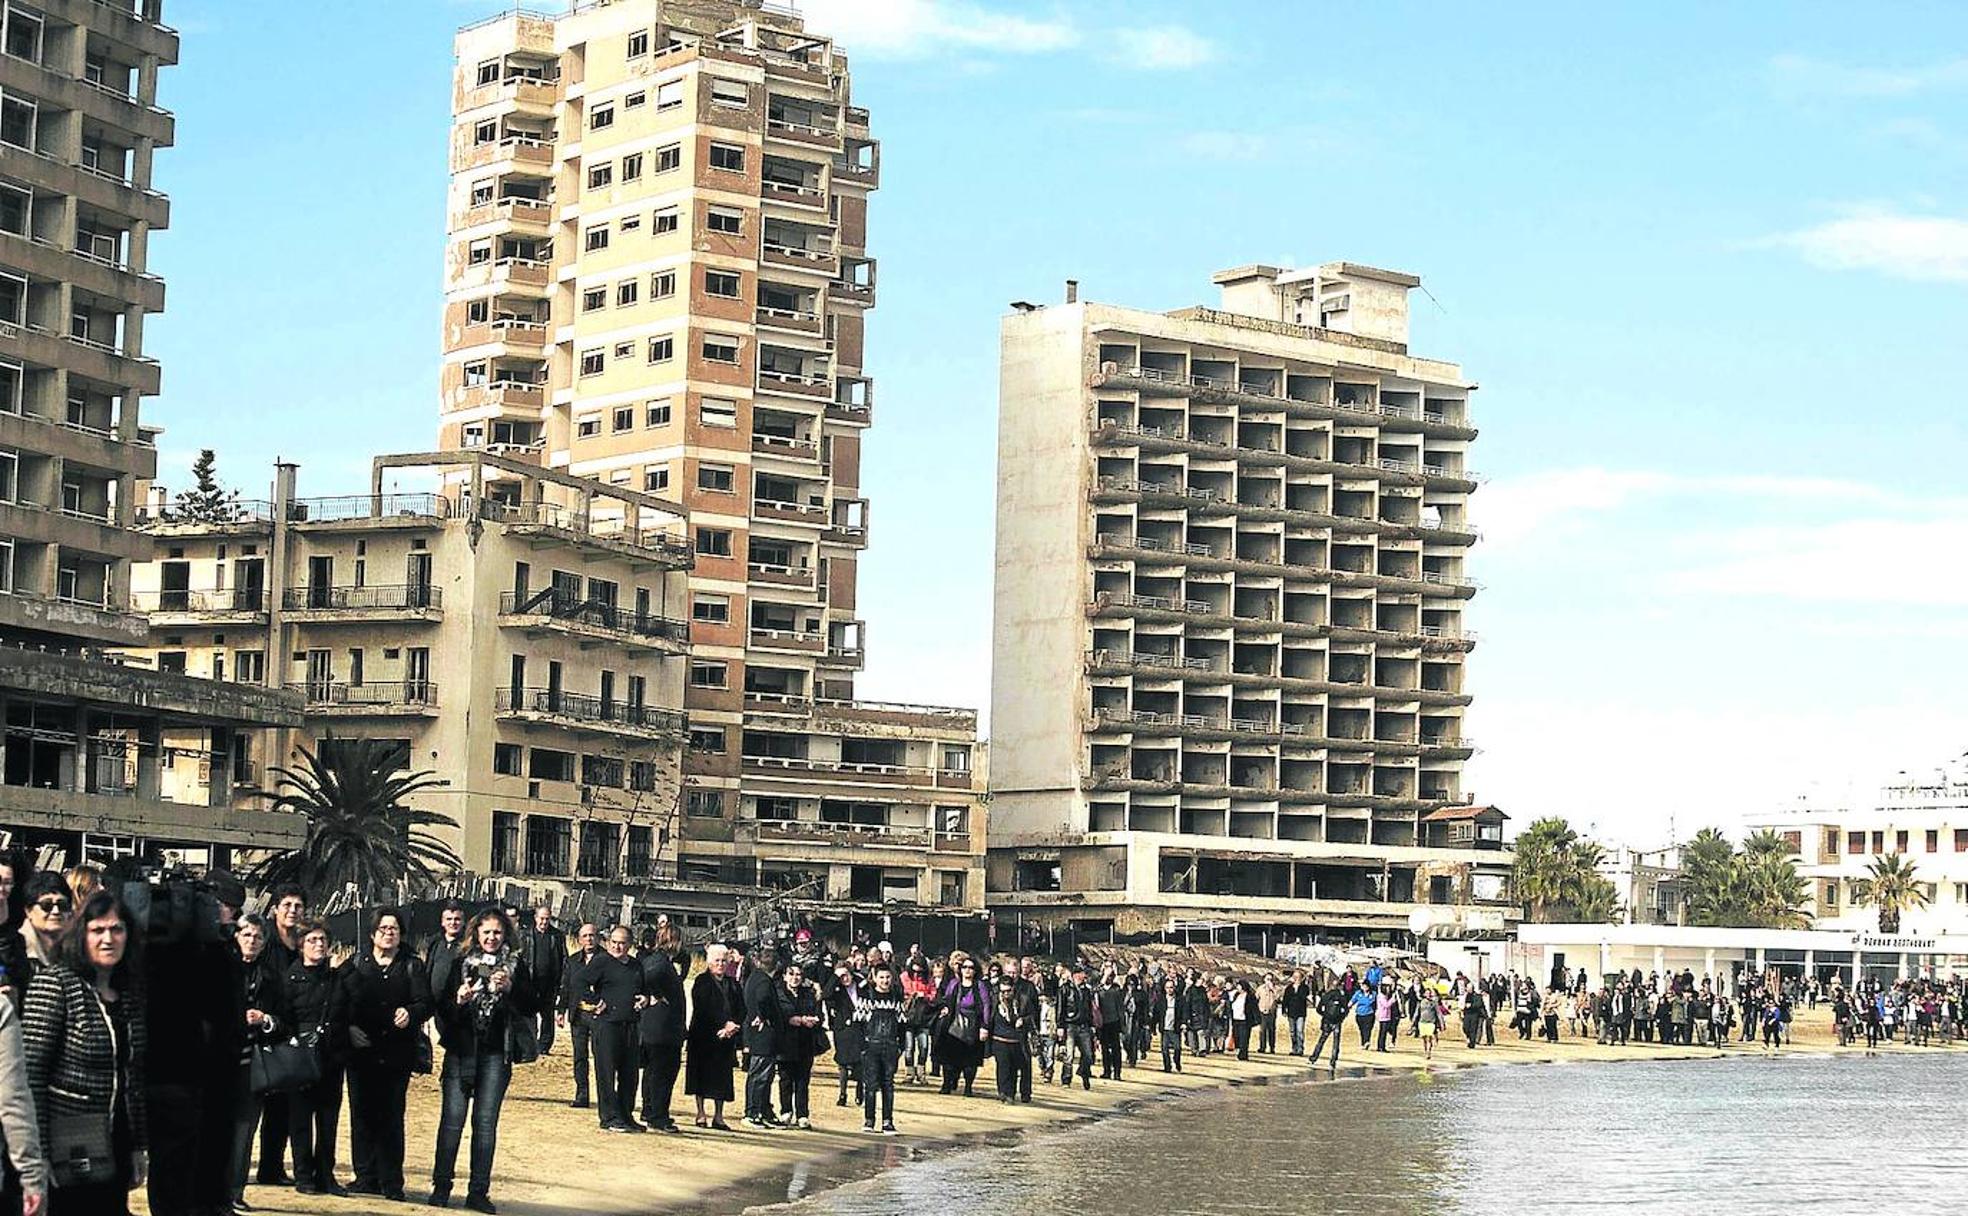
716,1005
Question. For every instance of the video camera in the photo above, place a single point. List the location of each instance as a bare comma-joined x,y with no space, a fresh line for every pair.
170,906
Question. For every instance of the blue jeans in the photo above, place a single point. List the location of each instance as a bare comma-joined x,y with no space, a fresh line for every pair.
478,1083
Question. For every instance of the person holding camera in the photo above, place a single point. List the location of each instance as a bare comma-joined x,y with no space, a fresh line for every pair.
485,990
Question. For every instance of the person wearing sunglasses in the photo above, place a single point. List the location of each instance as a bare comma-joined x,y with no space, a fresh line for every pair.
48,904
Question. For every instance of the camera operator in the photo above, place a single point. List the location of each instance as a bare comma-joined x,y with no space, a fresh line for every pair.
195,1038
484,991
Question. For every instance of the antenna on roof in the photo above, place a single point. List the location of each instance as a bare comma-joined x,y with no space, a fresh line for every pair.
1432,300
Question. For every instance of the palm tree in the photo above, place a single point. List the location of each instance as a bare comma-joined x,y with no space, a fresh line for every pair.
1891,889
1769,888
1708,862
360,832
1538,872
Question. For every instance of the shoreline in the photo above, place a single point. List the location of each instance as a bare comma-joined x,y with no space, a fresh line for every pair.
552,1160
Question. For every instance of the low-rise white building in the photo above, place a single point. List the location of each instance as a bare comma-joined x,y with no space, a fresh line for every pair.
1924,817
1542,951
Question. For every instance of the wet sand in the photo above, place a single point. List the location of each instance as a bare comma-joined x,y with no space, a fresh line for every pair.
553,1159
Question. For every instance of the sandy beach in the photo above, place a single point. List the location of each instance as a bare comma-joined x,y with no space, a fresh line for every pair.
553,1160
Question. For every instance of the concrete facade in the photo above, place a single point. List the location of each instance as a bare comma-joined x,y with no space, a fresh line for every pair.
532,662
1228,639
1923,816
1538,951
658,278
88,743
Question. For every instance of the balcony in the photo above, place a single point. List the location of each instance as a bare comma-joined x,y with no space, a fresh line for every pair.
580,711
526,150
238,606
351,605
938,719
797,384
806,769
780,576
548,523
789,512
522,397
805,641
793,194
392,699
592,621
803,134
837,835
796,257
842,656
787,446
789,320
777,704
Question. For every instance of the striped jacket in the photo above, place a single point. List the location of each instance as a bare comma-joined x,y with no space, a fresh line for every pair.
71,1052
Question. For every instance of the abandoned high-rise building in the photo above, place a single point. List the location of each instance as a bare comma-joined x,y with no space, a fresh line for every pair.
83,756
1228,644
657,278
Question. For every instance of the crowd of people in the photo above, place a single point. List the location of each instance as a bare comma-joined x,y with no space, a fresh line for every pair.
103,1091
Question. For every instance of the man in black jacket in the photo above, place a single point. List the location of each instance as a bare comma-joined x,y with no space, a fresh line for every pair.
662,1026
610,986
577,1018
1110,1008
1076,1028
1294,1001
765,1019
545,948
1332,1006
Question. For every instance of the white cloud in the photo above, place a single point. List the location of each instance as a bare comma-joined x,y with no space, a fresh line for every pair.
915,29
1932,248
1560,502
1801,75
1882,561
1161,48
1223,145
921,29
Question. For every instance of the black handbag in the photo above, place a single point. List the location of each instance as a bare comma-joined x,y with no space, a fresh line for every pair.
80,1149
963,1027
278,1068
522,1038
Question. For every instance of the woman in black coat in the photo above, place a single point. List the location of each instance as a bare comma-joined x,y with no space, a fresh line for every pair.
317,996
842,994
716,1007
267,1021
804,1038
389,999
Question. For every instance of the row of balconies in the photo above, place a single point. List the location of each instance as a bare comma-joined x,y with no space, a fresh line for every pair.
1179,610
1150,552
585,711
1107,663
1399,472
1446,745
806,768
1358,406
1203,501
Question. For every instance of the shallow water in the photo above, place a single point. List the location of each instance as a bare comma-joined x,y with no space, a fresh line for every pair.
1750,1135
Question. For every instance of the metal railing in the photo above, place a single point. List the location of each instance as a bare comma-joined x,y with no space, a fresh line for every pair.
368,506
571,522
420,693
236,599
585,707
316,597
593,614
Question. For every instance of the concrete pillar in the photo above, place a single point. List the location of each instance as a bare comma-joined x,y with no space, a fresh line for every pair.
1708,962
1760,966
1810,964
1906,965
1660,960
1605,960
150,759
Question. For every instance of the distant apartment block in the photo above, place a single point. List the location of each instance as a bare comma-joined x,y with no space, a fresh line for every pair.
1923,817
83,759
657,278
1229,633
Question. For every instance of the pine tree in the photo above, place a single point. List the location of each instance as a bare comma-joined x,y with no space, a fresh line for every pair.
207,502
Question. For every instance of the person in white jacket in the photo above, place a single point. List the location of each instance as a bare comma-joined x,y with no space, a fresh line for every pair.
20,1136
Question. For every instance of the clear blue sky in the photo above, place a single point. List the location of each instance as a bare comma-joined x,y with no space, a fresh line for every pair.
1709,264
